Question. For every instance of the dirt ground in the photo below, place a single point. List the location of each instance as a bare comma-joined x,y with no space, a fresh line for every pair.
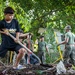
42,69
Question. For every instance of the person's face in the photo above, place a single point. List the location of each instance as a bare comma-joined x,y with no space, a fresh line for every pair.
42,39
66,30
29,36
9,17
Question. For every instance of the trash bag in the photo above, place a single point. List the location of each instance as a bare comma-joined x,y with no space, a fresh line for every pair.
60,68
33,59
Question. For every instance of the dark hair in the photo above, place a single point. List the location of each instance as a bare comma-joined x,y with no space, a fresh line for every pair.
41,36
21,31
9,10
30,34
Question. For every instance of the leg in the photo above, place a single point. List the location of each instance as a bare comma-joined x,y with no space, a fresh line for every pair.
3,51
73,56
19,56
43,57
66,56
40,53
26,57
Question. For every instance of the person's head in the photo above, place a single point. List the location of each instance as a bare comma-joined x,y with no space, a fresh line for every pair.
29,36
9,13
21,31
42,38
21,38
67,28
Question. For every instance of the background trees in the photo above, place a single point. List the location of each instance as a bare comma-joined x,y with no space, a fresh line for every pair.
33,14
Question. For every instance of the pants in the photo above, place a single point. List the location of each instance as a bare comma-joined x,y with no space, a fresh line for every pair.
42,56
69,55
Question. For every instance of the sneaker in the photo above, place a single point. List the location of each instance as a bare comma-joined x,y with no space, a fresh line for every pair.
19,67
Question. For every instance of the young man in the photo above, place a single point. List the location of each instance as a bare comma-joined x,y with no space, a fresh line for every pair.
69,53
22,36
41,49
10,24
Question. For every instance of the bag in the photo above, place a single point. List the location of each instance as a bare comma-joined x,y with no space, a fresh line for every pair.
33,59
60,68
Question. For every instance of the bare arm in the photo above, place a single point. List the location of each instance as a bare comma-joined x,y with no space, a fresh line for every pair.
64,42
2,32
5,31
32,47
23,35
17,36
46,48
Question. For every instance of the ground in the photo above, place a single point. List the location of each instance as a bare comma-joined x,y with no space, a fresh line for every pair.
42,69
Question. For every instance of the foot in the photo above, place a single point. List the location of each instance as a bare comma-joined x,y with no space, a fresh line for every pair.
19,67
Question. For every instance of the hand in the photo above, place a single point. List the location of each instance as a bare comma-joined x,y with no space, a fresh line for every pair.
58,44
16,40
5,31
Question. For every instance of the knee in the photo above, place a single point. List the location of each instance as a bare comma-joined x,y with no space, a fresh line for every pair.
22,51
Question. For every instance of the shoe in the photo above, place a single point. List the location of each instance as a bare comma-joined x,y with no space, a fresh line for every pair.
19,67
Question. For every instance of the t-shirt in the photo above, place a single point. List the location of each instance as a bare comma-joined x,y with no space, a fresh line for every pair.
70,36
41,45
12,27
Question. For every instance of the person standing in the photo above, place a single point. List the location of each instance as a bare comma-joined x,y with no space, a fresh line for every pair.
42,48
12,25
69,53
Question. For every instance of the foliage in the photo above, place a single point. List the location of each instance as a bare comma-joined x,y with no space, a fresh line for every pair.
20,14
53,52
42,12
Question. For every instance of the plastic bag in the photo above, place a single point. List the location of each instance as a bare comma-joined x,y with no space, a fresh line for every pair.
60,68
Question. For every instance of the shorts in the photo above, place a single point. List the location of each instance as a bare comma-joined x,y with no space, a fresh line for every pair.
4,50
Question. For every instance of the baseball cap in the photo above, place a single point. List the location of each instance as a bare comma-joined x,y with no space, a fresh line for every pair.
67,27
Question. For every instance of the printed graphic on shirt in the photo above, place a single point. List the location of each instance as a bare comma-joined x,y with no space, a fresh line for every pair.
12,30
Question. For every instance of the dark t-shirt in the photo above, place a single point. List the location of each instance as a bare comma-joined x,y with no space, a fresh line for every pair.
12,27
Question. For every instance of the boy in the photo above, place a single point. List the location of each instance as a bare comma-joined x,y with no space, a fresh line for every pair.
7,42
42,47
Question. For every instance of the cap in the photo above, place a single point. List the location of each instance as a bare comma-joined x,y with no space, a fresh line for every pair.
67,27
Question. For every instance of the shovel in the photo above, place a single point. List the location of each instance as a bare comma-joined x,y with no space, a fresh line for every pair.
28,50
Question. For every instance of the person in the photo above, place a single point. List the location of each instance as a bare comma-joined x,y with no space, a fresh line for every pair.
28,42
69,53
22,36
42,47
12,25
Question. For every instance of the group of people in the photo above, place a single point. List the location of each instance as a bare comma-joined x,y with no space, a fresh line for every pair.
12,26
